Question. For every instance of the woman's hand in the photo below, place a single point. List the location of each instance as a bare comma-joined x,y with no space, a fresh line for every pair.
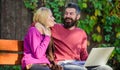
43,30
47,31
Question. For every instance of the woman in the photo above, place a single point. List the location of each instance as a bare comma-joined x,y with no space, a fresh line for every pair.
36,41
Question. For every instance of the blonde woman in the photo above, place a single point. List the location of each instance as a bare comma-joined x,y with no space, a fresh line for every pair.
36,41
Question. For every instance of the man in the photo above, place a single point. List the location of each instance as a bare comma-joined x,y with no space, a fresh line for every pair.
70,42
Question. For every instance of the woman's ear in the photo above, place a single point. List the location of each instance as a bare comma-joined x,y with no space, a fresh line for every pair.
78,16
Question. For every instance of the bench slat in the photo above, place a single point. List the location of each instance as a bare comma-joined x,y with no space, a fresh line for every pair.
10,59
11,52
11,45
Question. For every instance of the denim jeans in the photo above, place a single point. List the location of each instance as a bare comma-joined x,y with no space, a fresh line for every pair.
76,67
70,65
73,67
102,67
39,67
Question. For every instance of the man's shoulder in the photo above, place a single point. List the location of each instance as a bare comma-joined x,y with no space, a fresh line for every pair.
57,25
81,31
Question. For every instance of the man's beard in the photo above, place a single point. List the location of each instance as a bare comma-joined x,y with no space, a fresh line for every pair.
69,24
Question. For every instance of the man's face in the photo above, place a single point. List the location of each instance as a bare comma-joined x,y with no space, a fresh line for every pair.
70,17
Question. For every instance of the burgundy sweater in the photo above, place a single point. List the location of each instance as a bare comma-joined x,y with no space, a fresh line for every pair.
69,44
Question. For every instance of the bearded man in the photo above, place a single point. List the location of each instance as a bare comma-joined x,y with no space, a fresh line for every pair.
70,42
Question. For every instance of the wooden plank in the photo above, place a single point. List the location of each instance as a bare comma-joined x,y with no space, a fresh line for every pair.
11,45
10,59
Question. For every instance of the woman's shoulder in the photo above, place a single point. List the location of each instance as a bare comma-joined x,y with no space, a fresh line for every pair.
33,30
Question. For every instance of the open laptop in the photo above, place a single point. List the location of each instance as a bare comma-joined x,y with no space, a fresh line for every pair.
98,56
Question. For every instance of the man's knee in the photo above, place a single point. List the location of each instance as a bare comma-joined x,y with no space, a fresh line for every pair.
103,67
74,67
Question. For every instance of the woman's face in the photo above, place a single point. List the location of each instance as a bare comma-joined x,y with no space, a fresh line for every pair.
50,20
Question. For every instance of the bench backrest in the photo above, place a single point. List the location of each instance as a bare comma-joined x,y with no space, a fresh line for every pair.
11,52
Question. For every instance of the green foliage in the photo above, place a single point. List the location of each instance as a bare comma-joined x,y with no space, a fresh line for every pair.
107,37
55,6
97,37
31,4
87,24
107,17
17,67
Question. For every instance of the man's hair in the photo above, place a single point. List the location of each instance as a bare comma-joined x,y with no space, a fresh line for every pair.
73,5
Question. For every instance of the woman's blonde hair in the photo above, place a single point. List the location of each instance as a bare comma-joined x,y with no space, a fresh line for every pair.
41,15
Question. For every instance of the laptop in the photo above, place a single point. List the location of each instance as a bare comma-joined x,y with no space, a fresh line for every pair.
98,56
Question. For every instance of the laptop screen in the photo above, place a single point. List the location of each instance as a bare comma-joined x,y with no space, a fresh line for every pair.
98,56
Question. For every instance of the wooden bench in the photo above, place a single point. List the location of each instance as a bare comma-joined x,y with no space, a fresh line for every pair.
11,52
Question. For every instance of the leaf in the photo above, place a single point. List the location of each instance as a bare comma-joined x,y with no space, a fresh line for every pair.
99,38
93,18
108,28
107,38
98,29
118,35
84,5
85,0
94,37
98,5
61,3
97,12
117,29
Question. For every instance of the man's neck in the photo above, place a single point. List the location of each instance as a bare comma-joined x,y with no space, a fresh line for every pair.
71,28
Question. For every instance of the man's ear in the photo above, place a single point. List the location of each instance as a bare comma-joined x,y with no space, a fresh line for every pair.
78,16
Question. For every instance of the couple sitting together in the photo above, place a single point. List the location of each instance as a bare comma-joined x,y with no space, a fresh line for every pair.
52,46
